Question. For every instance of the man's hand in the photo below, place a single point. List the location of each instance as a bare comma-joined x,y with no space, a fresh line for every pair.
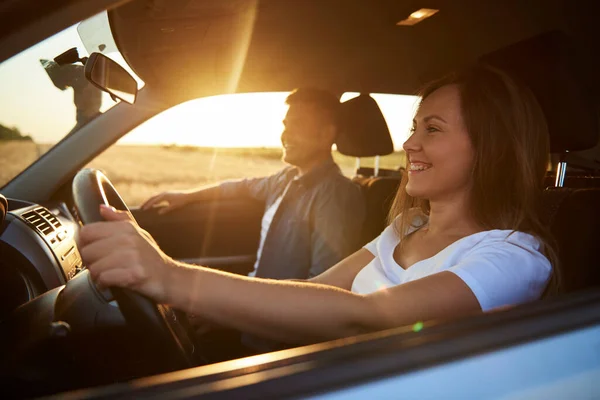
173,199
120,253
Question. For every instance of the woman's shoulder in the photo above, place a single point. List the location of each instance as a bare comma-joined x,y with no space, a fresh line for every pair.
504,239
503,267
506,250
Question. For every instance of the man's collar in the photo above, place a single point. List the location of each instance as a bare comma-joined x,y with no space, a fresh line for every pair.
317,173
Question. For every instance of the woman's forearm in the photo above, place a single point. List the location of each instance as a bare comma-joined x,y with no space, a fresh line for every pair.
118,253
280,310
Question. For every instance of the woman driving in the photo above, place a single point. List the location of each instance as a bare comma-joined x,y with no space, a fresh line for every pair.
464,232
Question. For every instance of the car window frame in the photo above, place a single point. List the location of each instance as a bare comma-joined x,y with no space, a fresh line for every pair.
331,366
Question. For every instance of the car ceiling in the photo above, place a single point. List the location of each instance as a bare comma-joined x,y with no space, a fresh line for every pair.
193,48
23,23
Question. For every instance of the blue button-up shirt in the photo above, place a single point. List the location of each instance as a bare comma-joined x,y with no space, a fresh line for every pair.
318,223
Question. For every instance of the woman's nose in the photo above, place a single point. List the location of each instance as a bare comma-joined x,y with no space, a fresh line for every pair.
412,144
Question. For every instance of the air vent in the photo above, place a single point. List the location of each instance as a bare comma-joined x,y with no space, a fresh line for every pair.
48,216
42,219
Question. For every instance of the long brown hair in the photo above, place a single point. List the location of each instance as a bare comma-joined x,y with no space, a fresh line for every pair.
509,135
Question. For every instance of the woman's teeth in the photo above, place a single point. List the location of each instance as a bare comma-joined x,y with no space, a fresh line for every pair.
418,167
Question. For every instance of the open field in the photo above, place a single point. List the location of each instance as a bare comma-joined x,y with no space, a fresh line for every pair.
16,156
141,171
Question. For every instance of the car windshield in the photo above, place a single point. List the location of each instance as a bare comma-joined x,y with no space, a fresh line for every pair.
41,101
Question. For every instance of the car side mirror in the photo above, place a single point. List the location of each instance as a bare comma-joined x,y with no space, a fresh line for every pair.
109,76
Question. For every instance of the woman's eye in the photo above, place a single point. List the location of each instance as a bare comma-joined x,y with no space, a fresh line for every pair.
432,129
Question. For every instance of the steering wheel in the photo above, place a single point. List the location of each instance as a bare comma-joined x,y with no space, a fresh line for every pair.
169,327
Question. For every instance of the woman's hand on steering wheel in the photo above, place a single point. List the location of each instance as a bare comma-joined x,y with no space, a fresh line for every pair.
120,253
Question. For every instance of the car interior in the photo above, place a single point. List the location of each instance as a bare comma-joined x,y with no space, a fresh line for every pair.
52,314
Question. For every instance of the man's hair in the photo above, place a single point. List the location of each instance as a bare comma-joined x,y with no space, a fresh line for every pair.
322,99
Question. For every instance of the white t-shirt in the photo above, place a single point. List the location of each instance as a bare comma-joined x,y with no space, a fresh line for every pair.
500,268
267,219
264,229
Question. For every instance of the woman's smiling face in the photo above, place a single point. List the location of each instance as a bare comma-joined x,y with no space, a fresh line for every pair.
439,151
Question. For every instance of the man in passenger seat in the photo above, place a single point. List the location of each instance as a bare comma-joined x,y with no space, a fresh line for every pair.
313,214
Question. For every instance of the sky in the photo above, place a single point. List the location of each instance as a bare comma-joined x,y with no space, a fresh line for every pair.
248,120
30,102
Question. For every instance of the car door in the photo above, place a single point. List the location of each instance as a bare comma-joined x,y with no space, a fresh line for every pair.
545,349
218,233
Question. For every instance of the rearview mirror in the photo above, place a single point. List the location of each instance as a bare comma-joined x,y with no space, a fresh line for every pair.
109,76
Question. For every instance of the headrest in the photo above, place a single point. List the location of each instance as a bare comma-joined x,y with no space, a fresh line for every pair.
549,65
363,131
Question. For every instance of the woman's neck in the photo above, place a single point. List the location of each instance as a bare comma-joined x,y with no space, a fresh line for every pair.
451,217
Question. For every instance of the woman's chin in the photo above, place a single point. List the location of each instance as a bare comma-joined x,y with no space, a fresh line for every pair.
416,192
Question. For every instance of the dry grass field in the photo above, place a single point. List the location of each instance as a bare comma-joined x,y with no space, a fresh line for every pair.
141,171
14,157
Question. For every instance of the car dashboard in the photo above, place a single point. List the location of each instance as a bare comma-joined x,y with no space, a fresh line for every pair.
39,251
58,331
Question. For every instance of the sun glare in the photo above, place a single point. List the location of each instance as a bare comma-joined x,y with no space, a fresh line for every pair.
241,120
247,120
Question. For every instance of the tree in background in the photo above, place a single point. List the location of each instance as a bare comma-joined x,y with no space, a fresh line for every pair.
14,133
